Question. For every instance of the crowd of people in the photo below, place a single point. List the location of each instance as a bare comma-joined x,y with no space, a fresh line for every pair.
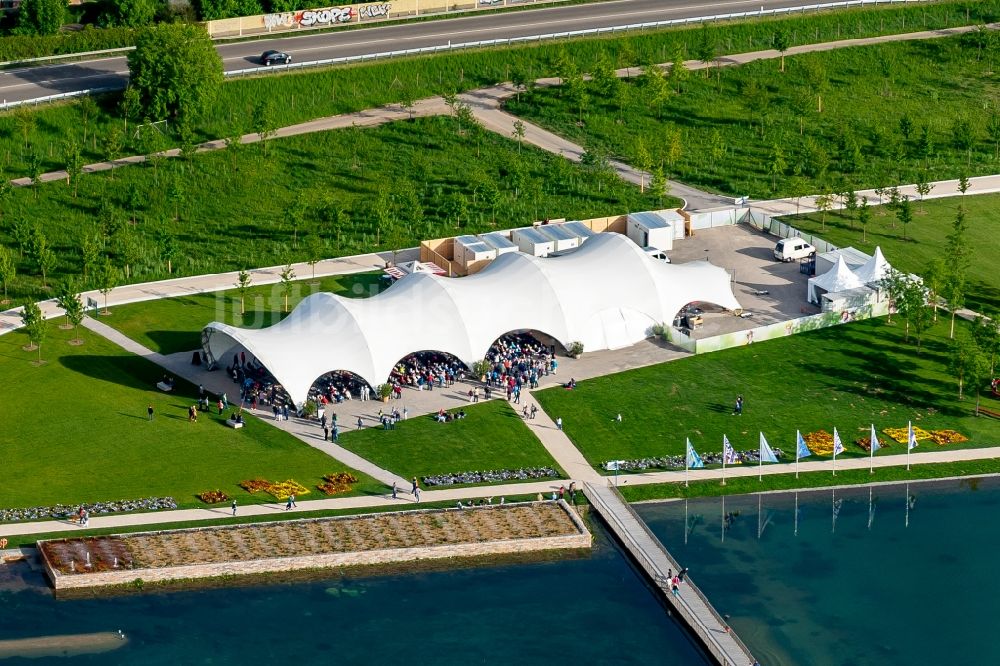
517,360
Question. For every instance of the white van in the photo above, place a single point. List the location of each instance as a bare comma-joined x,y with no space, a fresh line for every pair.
790,249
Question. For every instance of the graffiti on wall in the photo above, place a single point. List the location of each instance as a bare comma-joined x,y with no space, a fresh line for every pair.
327,16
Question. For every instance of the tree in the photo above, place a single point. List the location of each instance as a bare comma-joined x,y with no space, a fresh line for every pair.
780,42
643,161
456,207
175,69
73,307
113,146
34,326
234,146
674,147
935,279
576,90
993,127
906,126
287,276
130,105
817,79
91,246
923,188
166,244
243,285
850,199
904,213
967,363
986,334
129,250
963,184
41,17
65,294
824,204
864,217
776,164
492,197
74,163
518,133
8,270
655,85
706,49
25,119
924,146
314,252
177,192
678,71
957,261
107,279
43,255
262,121
658,184
129,13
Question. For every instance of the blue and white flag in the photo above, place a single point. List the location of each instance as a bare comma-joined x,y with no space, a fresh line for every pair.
838,446
911,437
874,440
766,453
728,452
693,459
801,448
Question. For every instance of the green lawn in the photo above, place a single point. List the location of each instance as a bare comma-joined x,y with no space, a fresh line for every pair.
753,130
846,377
740,485
925,239
76,431
322,195
171,325
492,436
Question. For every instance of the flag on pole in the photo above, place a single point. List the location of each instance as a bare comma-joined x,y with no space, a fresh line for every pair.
911,437
801,448
693,459
728,452
874,441
766,452
838,446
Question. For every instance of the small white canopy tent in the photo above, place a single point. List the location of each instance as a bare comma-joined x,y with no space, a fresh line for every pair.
838,278
874,269
608,294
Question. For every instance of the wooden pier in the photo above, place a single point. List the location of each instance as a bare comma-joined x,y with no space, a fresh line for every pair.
690,604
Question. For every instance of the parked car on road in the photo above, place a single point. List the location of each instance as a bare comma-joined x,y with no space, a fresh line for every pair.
269,58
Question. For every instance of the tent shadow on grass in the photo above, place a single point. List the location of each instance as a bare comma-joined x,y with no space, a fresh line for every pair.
176,340
128,371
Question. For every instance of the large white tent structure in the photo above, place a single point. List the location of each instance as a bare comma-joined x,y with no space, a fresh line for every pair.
607,295
838,278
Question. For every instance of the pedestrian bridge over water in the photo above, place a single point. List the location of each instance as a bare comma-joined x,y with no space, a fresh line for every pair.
713,632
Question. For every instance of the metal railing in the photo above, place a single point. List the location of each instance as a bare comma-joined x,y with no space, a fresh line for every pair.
660,579
513,41
55,98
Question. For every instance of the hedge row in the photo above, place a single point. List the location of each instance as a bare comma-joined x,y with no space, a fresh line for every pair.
22,47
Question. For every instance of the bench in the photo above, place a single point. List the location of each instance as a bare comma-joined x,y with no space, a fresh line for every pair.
163,386
234,424
982,411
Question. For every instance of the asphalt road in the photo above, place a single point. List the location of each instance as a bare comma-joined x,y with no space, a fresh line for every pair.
34,82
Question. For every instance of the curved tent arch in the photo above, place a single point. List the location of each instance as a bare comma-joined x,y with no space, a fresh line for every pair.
605,295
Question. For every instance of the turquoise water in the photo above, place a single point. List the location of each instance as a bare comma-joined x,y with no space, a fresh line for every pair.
592,610
853,586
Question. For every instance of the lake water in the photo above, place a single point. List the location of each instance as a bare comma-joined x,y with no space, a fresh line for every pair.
886,582
591,610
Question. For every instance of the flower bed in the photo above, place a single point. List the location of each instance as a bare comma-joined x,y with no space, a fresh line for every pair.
491,476
943,437
337,483
93,508
820,442
866,443
277,490
902,434
749,456
213,497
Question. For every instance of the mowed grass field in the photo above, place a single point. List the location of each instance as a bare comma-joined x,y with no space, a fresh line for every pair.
170,325
926,239
75,430
754,130
492,436
846,377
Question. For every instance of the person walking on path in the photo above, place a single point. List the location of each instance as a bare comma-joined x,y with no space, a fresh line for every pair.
336,434
360,423
326,433
234,507
559,423
393,490
416,493
534,410
149,412
291,498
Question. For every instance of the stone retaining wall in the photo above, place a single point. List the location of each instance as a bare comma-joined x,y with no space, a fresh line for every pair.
581,539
